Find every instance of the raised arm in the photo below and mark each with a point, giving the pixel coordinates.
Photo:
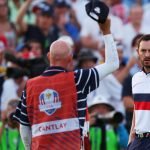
(111, 56)
(21, 25)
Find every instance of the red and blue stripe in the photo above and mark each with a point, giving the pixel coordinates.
(142, 101)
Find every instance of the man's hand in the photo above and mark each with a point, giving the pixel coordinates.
(105, 27)
(131, 137)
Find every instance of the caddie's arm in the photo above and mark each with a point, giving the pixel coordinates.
(26, 136)
(111, 55)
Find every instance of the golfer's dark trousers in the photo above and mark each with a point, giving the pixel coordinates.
(140, 144)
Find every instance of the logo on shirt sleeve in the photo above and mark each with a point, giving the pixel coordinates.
(49, 101)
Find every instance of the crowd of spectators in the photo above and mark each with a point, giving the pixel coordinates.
(28, 27)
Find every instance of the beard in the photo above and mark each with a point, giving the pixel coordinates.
(146, 64)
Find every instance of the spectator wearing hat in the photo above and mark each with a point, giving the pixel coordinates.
(106, 130)
(86, 59)
(45, 29)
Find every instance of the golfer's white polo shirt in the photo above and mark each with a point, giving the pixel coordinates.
(141, 94)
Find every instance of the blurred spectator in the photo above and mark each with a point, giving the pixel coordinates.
(120, 10)
(14, 6)
(134, 27)
(2, 68)
(36, 7)
(86, 59)
(32, 49)
(36, 48)
(130, 3)
(79, 10)
(7, 29)
(23, 51)
(66, 19)
(13, 85)
(3, 41)
(2, 51)
(34, 66)
(106, 130)
(30, 55)
(9, 129)
(127, 86)
(45, 30)
(146, 19)
(61, 7)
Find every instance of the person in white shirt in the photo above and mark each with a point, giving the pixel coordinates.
(140, 130)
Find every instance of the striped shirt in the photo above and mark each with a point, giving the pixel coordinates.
(86, 81)
(141, 95)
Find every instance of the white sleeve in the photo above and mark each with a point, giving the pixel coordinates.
(111, 58)
(26, 135)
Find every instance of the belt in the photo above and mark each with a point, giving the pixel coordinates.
(143, 135)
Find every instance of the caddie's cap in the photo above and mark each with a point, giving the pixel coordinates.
(97, 10)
